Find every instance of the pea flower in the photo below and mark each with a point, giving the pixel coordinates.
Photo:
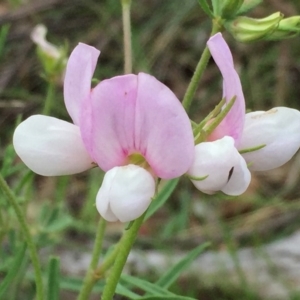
(52, 58)
(266, 140)
(132, 126)
(38, 36)
(278, 129)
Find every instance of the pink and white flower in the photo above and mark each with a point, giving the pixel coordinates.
(122, 120)
(273, 136)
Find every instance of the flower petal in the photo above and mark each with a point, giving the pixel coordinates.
(232, 124)
(239, 179)
(125, 193)
(138, 114)
(278, 129)
(107, 124)
(79, 72)
(51, 147)
(224, 167)
(38, 36)
(163, 132)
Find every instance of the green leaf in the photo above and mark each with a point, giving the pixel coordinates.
(217, 4)
(124, 291)
(174, 272)
(13, 270)
(3, 37)
(206, 8)
(248, 5)
(146, 286)
(74, 284)
(53, 278)
(162, 197)
(175, 297)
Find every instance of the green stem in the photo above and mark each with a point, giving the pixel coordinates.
(126, 4)
(90, 277)
(124, 246)
(191, 90)
(107, 263)
(3, 227)
(49, 99)
(24, 227)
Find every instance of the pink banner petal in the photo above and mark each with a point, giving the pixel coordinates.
(233, 123)
(79, 72)
(138, 114)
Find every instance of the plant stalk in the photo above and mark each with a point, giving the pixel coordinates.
(25, 228)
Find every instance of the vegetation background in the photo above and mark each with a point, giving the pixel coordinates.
(168, 38)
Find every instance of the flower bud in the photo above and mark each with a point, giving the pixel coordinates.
(125, 194)
(230, 8)
(245, 29)
(218, 166)
(278, 129)
(52, 58)
(287, 28)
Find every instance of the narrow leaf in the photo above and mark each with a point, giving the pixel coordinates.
(217, 6)
(175, 297)
(162, 197)
(53, 278)
(146, 286)
(13, 270)
(174, 272)
(206, 8)
(124, 291)
(248, 5)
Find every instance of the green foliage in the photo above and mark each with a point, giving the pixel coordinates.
(172, 274)
(53, 279)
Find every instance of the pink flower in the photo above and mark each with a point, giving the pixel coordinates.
(273, 137)
(125, 120)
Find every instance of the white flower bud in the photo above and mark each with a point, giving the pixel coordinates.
(278, 129)
(38, 36)
(224, 167)
(51, 147)
(125, 193)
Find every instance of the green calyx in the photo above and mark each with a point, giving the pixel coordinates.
(230, 8)
(251, 149)
(138, 159)
(207, 126)
(245, 29)
(197, 178)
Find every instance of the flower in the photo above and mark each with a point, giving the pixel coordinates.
(217, 163)
(38, 36)
(218, 166)
(278, 129)
(131, 126)
(52, 58)
(266, 140)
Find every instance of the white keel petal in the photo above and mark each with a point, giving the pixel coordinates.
(125, 194)
(51, 147)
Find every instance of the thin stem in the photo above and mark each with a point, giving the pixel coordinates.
(3, 227)
(125, 245)
(90, 277)
(126, 4)
(49, 98)
(191, 90)
(24, 227)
